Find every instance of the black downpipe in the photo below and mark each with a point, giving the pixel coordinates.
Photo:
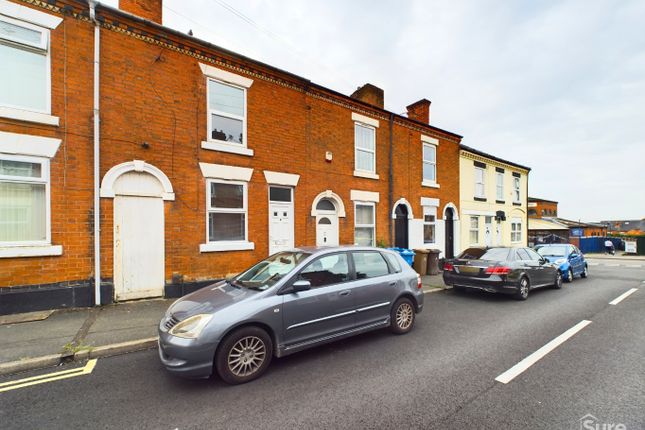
(390, 190)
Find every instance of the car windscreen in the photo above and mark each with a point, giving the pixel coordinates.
(552, 251)
(497, 254)
(269, 271)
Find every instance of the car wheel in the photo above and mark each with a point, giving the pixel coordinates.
(523, 289)
(570, 275)
(558, 280)
(585, 272)
(244, 355)
(402, 316)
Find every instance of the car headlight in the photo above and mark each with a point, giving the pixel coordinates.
(560, 261)
(190, 328)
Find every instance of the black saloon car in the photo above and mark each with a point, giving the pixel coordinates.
(505, 270)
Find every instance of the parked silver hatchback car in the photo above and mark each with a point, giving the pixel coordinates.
(288, 302)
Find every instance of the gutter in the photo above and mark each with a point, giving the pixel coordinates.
(97, 185)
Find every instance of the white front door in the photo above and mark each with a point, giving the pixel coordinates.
(488, 230)
(138, 247)
(281, 235)
(280, 227)
(327, 230)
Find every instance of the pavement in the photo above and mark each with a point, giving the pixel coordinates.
(442, 375)
(41, 339)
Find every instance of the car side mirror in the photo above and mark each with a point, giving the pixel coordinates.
(572, 256)
(300, 285)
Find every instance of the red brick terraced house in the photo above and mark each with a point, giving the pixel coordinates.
(163, 162)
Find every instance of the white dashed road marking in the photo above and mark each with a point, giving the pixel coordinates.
(623, 296)
(529, 361)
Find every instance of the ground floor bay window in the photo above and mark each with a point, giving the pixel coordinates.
(364, 224)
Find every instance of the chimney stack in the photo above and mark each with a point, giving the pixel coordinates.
(146, 9)
(420, 111)
(371, 94)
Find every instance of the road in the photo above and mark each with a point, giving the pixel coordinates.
(441, 375)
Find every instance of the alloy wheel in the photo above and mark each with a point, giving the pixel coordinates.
(570, 275)
(524, 288)
(246, 356)
(404, 316)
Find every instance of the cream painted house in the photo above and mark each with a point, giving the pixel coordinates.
(493, 200)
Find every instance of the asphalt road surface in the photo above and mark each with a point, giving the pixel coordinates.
(441, 375)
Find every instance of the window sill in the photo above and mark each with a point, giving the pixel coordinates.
(367, 175)
(30, 251)
(501, 202)
(227, 147)
(226, 246)
(480, 199)
(517, 204)
(29, 116)
(430, 184)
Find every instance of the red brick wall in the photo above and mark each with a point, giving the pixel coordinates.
(153, 94)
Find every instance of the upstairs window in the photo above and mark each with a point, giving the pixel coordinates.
(429, 163)
(24, 66)
(500, 186)
(516, 189)
(479, 182)
(24, 201)
(226, 113)
(365, 148)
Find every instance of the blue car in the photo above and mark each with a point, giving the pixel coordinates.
(568, 257)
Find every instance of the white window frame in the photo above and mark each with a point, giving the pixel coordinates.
(516, 230)
(499, 177)
(424, 181)
(44, 179)
(517, 184)
(361, 172)
(372, 226)
(211, 112)
(227, 245)
(483, 182)
(430, 210)
(471, 229)
(43, 48)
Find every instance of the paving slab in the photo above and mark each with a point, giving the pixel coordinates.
(126, 322)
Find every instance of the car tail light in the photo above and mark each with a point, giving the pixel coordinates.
(448, 267)
(419, 286)
(498, 270)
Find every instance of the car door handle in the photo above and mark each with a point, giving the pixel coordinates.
(393, 283)
(344, 293)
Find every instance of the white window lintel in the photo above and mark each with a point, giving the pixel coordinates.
(28, 14)
(27, 144)
(223, 75)
(430, 140)
(280, 178)
(364, 196)
(427, 201)
(365, 119)
(230, 173)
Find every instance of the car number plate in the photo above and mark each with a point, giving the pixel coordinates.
(468, 270)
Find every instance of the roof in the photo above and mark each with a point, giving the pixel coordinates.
(625, 225)
(573, 224)
(301, 80)
(537, 199)
(492, 157)
(545, 224)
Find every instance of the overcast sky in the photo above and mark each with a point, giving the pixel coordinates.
(555, 85)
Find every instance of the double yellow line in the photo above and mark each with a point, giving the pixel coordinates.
(49, 377)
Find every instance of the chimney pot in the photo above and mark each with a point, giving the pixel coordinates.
(146, 9)
(371, 94)
(420, 111)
